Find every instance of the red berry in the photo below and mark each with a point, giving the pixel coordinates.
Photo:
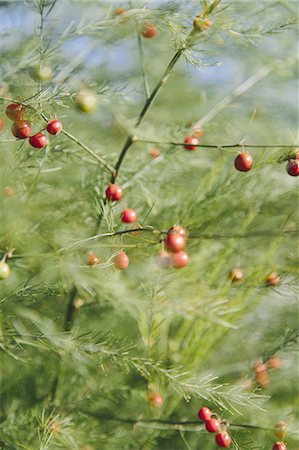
(154, 152)
(223, 439)
(274, 362)
(180, 259)
(92, 259)
(178, 230)
(38, 140)
(190, 143)
(293, 167)
(1, 125)
(204, 413)
(156, 400)
(273, 279)
(212, 425)
(21, 129)
(15, 111)
(121, 261)
(243, 162)
(54, 127)
(149, 30)
(279, 446)
(175, 242)
(129, 215)
(114, 192)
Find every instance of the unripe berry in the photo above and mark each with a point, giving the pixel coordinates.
(273, 279)
(156, 400)
(202, 23)
(21, 129)
(15, 111)
(44, 73)
(9, 191)
(279, 446)
(212, 425)
(149, 30)
(4, 270)
(274, 362)
(54, 127)
(154, 152)
(92, 259)
(204, 413)
(38, 140)
(236, 275)
(293, 167)
(223, 439)
(180, 259)
(87, 101)
(114, 192)
(175, 242)
(121, 261)
(243, 162)
(190, 143)
(128, 215)
(281, 429)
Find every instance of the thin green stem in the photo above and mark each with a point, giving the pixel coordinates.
(216, 146)
(143, 74)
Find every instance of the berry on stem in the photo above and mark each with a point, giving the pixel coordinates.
(223, 439)
(175, 242)
(273, 279)
(121, 261)
(293, 167)
(178, 230)
(43, 73)
(204, 413)
(21, 129)
(190, 142)
(15, 111)
(236, 275)
(54, 126)
(279, 446)
(87, 101)
(156, 400)
(128, 215)
(180, 259)
(212, 425)
(4, 270)
(114, 192)
(202, 23)
(38, 140)
(149, 31)
(243, 162)
(274, 362)
(93, 259)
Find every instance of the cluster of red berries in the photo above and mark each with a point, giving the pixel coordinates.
(174, 255)
(214, 425)
(22, 128)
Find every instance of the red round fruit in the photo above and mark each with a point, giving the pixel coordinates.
(38, 140)
(149, 30)
(180, 259)
(212, 425)
(243, 162)
(178, 230)
(114, 192)
(279, 446)
(128, 215)
(190, 143)
(121, 261)
(54, 127)
(175, 242)
(293, 167)
(156, 400)
(15, 111)
(1, 125)
(223, 439)
(204, 413)
(21, 129)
